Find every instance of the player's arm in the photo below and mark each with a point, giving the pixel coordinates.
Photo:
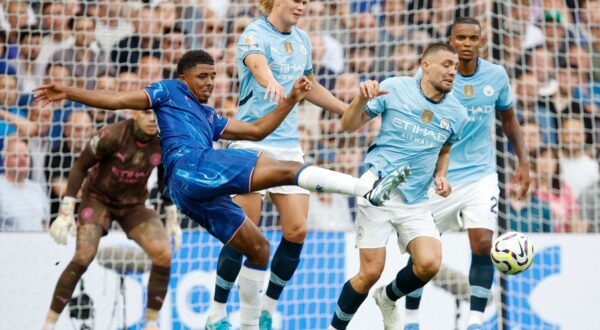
(355, 115)
(259, 66)
(512, 130)
(102, 99)
(442, 187)
(260, 128)
(321, 97)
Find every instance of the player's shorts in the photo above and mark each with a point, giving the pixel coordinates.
(200, 185)
(94, 211)
(374, 225)
(289, 154)
(470, 205)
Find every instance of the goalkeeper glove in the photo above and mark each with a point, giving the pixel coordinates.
(65, 222)
(173, 227)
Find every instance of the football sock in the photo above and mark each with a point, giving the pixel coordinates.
(348, 303)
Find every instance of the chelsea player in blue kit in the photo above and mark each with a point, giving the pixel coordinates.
(483, 88)
(420, 121)
(200, 179)
(271, 54)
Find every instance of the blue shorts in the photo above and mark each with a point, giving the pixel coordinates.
(200, 185)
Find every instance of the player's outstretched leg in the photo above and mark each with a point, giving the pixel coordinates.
(88, 237)
(271, 173)
(152, 237)
(229, 264)
(426, 255)
(481, 274)
(249, 241)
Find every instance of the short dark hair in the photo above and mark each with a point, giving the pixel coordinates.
(78, 17)
(464, 20)
(437, 47)
(30, 31)
(192, 58)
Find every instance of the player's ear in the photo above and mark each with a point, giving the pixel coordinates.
(425, 66)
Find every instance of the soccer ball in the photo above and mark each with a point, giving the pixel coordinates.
(512, 253)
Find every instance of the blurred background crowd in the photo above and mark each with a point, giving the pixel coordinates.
(550, 49)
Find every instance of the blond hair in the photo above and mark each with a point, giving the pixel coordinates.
(266, 6)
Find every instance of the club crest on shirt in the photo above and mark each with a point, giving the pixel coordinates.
(469, 90)
(427, 116)
(249, 41)
(289, 48)
(488, 90)
(444, 123)
(303, 49)
(137, 157)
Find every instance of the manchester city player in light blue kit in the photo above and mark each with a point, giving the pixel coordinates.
(483, 88)
(271, 54)
(200, 179)
(420, 121)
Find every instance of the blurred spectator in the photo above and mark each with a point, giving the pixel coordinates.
(166, 15)
(361, 60)
(85, 60)
(55, 19)
(556, 34)
(590, 16)
(590, 206)
(229, 60)
(530, 214)
(579, 170)
(347, 87)
(78, 130)
(551, 189)
(128, 80)
(127, 52)
(532, 137)
(520, 15)
(23, 203)
(542, 64)
(6, 66)
(17, 15)
(60, 74)
(313, 22)
(324, 75)
(149, 69)
(237, 27)
(512, 52)
(212, 34)
(28, 71)
(528, 107)
(9, 113)
(101, 117)
(173, 46)
(110, 26)
(405, 58)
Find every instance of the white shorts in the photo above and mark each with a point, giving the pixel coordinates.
(470, 205)
(374, 225)
(290, 154)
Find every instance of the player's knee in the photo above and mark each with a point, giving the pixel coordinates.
(296, 233)
(260, 255)
(371, 273)
(482, 245)
(84, 255)
(427, 267)
(162, 256)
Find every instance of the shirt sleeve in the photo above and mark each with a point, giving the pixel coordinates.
(219, 125)
(250, 43)
(377, 105)
(157, 94)
(104, 143)
(308, 69)
(504, 101)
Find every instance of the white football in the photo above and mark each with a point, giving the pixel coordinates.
(512, 253)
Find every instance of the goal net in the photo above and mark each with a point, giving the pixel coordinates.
(550, 50)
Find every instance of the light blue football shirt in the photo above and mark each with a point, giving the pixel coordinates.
(289, 57)
(482, 93)
(413, 131)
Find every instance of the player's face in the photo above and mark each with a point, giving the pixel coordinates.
(290, 10)
(201, 81)
(441, 70)
(466, 39)
(146, 122)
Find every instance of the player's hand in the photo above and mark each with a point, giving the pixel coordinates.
(523, 180)
(370, 89)
(49, 93)
(302, 86)
(173, 227)
(64, 224)
(442, 187)
(275, 92)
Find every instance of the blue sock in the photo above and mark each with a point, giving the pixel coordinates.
(348, 303)
(406, 282)
(481, 276)
(228, 268)
(413, 299)
(284, 264)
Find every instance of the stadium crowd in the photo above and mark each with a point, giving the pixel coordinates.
(550, 49)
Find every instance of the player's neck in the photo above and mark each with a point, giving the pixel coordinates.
(468, 67)
(279, 24)
(431, 92)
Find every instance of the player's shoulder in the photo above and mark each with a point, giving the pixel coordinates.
(486, 67)
(398, 82)
(115, 131)
(256, 27)
(303, 34)
(454, 105)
